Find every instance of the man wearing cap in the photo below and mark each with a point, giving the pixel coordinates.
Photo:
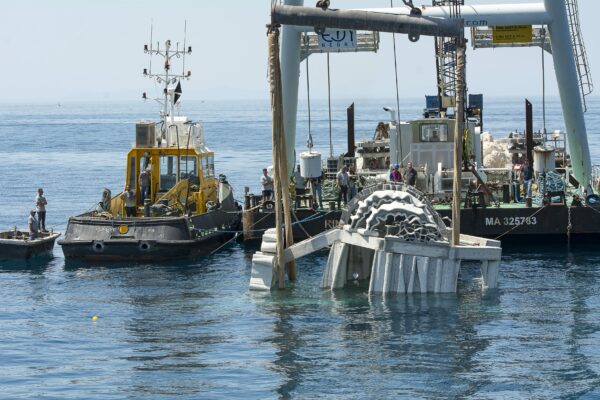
(33, 225)
(395, 175)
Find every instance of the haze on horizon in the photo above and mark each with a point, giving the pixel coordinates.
(67, 50)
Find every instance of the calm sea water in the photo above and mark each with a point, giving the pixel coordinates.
(193, 330)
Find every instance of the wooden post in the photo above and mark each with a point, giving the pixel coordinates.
(275, 85)
(458, 138)
(285, 193)
(280, 172)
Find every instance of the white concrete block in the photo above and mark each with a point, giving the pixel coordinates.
(388, 273)
(340, 271)
(268, 247)
(334, 275)
(263, 272)
(439, 273)
(450, 276)
(410, 265)
(422, 264)
(489, 273)
(377, 272)
(400, 282)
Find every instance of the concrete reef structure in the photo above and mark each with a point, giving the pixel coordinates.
(391, 235)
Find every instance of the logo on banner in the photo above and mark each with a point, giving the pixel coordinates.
(336, 40)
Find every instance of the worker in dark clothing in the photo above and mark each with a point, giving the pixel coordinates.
(527, 176)
(410, 175)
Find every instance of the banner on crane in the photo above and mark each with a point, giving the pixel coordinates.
(512, 34)
(336, 40)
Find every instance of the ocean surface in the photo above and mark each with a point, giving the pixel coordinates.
(192, 330)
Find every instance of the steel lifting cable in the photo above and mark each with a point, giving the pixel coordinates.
(544, 81)
(397, 90)
(225, 244)
(329, 103)
(309, 141)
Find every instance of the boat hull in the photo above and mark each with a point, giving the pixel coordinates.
(147, 239)
(19, 249)
(511, 225)
(142, 250)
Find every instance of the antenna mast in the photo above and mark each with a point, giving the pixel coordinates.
(166, 78)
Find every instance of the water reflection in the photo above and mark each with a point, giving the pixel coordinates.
(582, 276)
(375, 346)
(35, 265)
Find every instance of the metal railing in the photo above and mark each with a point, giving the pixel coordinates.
(583, 69)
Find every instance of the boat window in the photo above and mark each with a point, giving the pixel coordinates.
(168, 172)
(132, 174)
(208, 166)
(188, 168)
(434, 133)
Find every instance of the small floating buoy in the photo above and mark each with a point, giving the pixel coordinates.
(95, 318)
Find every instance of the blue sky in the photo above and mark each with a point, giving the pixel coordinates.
(64, 50)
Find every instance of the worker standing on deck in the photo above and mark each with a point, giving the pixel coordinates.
(395, 175)
(145, 184)
(300, 185)
(410, 175)
(33, 225)
(317, 187)
(527, 175)
(351, 184)
(129, 197)
(299, 181)
(267, 185)
(342, 184)
(40, 205)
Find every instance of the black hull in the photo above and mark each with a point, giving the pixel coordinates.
(143, 250)
(514, 225)
(148, 239)
(25, 250)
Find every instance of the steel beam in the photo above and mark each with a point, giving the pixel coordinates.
(414, 26)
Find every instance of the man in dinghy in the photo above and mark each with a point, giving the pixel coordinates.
(40, 204)
(33, 225)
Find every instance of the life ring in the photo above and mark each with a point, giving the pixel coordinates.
(98, 246)
(211, 205)
(144, 246)
(593, 200)
(372, 164)
(269, 205)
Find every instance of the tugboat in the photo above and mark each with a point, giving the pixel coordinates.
(174, 205)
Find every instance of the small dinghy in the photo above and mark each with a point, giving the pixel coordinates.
(16, 245)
